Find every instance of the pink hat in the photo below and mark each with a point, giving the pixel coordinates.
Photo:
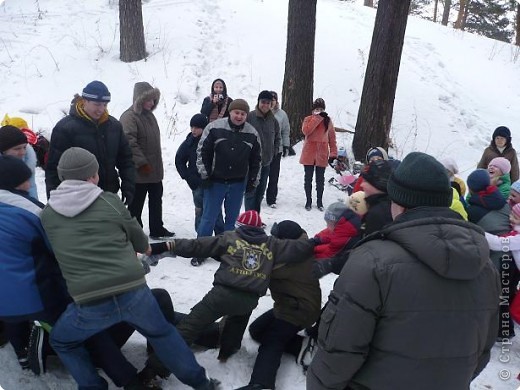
(501, 163)
(516, 210)
(249, 218)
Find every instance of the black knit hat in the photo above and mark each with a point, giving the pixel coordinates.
(265, 95)
(13, 172)
(10, 137)
(377, 173)
(199, 120)
(287, 229)
(420, 180)
(502, 131)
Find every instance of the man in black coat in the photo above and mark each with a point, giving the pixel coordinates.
(89, 126)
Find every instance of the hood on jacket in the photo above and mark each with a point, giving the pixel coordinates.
(252, 234)
(441, 240)
(72, 197)
(223, 83)
(143, 91)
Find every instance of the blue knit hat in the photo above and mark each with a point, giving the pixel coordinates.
(516, 186)
(199, 120)
(478, 180)
(96, 91)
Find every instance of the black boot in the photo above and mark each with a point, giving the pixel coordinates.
(320, 185)
(307, 185)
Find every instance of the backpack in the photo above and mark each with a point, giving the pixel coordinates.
(41, 147)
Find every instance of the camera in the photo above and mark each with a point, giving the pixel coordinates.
(219, 96)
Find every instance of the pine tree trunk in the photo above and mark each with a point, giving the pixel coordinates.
(460, 14)
(369, 3)
(435, 9)
(517, 27)
(131, 28)
(446, 13)
(377, 99)
(298, 79)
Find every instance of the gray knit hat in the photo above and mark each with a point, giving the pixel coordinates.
(335, 211)
(77, 164)
(420, 180)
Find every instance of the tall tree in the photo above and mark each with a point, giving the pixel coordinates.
(298, 79)
(131, 31)
(377, 99)
(446, 12)
(489, 18)
(517, 26)
(462, 14)
(368, 3)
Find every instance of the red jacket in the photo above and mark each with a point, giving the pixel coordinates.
(346, 229)
(320, 142)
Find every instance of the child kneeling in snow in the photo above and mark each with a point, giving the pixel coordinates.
(343, 228)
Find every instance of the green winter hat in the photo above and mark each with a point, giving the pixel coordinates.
(420, 180)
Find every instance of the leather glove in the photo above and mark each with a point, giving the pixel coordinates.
(250, 187)
(285, 151)
(291, 151)
(206, 183)
(331, 160)
(145, 169)
(324, 114)
(320, 268)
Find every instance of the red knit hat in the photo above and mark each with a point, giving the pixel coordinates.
(249, 218)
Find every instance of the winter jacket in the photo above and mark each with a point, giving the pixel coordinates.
(186, 161)
(509, 152)
(247, 256)
(268, 130)
(504, 185)
(143, 134)
(416, 306)
(31, 285)
(320, 141)
(347, 228)
(378, 214)
(296, 293)
(229, 153)
(216, 111)
(285, 127)
(105, 139)
(457, 206)
(482, 202)
(95, 240)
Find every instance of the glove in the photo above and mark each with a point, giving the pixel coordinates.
(331, 160)
(250, 187)
(324, 114)
(206, 183)
(285, 151)
(291, 151)
(315, 241)
(320, 268)
(145, 169)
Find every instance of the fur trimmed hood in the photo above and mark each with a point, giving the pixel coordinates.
(143, 91)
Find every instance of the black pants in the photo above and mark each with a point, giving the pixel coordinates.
(320, 183)
(274, 173)
(275, 336)
(155, 193)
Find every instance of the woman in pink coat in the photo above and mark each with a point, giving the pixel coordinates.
(319, 149)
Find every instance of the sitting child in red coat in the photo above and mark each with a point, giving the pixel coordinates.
(343, 227)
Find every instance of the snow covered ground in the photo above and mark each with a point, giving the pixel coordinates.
(454, 89)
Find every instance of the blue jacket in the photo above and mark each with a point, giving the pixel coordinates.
(31, 284)
(186, 161)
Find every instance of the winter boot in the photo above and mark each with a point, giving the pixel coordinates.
(211, 384)
(197, 261)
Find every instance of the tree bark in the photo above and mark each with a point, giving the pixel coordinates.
(446, 13)
(460, 16)
(435, 10)
(517, 27)
(131, 38)
(298, 79)
(377, 99)
(369, 3)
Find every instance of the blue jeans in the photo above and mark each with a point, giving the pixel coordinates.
(253, 199)
(139, 309)
(229, 193)
(198, 201)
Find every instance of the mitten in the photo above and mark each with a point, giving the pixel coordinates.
(145, 169)
(320, 268)
(291, 151)
(331, 160)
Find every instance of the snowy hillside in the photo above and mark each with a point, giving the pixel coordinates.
(454, 89)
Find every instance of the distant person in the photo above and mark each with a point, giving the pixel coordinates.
(89, 126)
(229, 158)
(95, 240)
(268, 128)
(274, 170)
(501, 146)
(13, 142)
(393, 319)
(186, 163)
(216, 105)
(144, 137)
(373, 154)
(319, 149)
(514, 194)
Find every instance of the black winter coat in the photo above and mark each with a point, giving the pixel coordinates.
(106, 141)
(186, 161)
